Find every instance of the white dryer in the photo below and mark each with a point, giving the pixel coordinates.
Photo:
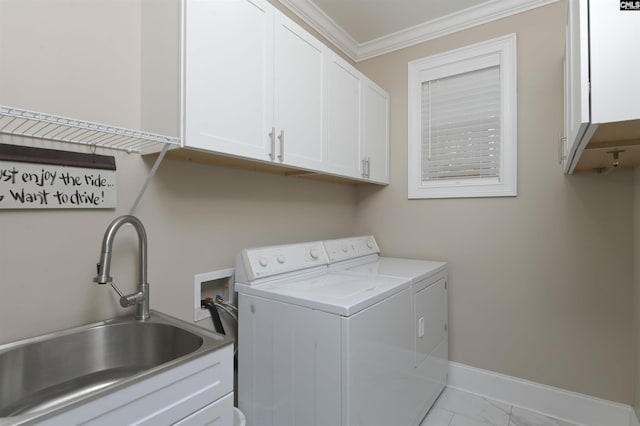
(318, 346)
(360, 255)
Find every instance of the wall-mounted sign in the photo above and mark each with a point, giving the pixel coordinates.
(36, 178)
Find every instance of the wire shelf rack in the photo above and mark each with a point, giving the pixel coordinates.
(39, 125)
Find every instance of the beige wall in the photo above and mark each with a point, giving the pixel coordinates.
(197, 218)
(540, 284)
(72, 58)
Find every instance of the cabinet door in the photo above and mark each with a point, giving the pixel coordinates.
(343, 118)
(614, 62)
(218, 413)
(299, 98)
(375, 132)
(228, 76)
(577, 116)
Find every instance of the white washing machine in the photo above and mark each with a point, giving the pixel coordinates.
(360, 255)
(317, 346)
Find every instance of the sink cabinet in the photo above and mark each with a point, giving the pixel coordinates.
(219, 412)
(160, 371)
(602, 101)
(164, 399)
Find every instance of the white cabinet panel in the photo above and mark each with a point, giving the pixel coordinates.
(228, 76)
(299, 72)
(344, 99)
(577, 116)
(357, 124)
(600, 73)
(375, 132)
(153, 401)
(615, 62)
(219, 413)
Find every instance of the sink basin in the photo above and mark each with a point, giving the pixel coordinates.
(46, 373)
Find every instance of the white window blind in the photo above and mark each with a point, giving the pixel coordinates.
(461, 126)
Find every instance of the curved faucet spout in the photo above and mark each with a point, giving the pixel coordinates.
(141, 298)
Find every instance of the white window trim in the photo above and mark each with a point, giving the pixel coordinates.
(451, 63)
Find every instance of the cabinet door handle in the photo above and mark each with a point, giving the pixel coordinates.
(364, 167)
(561, 144)
(272, 135)
(368, 167)
(281, 137)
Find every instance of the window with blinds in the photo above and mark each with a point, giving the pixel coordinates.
(461, 126)
(462, 134)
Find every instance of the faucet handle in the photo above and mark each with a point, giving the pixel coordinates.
(130, 300)
(115, 287)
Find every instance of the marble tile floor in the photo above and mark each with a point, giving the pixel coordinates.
(457, 408)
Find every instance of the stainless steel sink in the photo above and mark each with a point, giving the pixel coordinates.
(49, 372)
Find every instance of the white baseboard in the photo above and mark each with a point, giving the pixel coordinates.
(559, 403)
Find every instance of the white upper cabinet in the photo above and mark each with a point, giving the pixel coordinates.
(228, 75)
(576, 77)
(299, 98)
(256, 85)
(344, 102)
(614, 62)
(253, 83)
(600, 73)
(375, 133)
(357, 125)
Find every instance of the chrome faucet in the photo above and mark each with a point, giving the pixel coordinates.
(141, 297)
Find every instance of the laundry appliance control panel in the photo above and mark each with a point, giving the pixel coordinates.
(266, 262)
(350, 248)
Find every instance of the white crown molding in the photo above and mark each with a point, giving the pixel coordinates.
(321, 22)
(478, 15)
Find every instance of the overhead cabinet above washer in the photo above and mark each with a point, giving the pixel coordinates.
(256, 86)
(602, 99)
(357, 143)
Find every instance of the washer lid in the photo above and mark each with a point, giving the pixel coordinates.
(413, 269)
(337, 293)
